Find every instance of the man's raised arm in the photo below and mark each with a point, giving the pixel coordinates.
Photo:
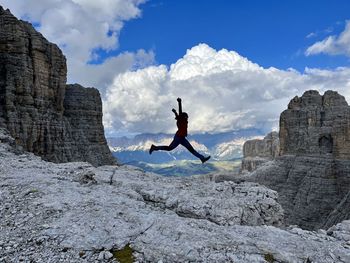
(176, 115)
(180, 106)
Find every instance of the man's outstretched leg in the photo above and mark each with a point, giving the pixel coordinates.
(189, 147)
(171, 146)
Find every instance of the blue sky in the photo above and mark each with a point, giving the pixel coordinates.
(236, 64)
(270, 33)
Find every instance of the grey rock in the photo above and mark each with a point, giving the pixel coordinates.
(257, 152)
(341, 231)
(309, 188)
(105, 255)
(316, 125)
(108, 255)
(267, 147)
(57, 122)
(160, 218)
(83, 121)
(341, 212)
(312, 174)
(85, 177)
(101, 256)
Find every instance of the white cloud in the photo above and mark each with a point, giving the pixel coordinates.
(311, 35)
(332, 45)
(102, 75)
(80, 27)
(221, 91)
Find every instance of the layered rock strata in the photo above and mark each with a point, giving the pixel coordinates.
(312, 174)
(37, 107)
(83, 121)
(257, 152)
(316, 125)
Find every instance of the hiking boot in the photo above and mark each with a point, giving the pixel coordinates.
(153, 148)
(205, 159)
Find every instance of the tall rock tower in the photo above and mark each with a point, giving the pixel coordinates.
(312, 173)
(58, 122)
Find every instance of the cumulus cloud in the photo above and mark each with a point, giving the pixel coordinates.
(102, 75)
(221, 91)
(80, 28)
(332, 45)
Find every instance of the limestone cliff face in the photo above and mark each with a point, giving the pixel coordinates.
(312, 174)
(33, 98)
(265, 148)
(312, 190)
(316, 125)
(257, 152)
(83, 119)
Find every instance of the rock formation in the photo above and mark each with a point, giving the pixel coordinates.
(58, 122)
(312, 174)
(74, 212)
(316, 125)
(257, 152)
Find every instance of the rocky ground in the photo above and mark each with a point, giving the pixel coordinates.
(74, 212)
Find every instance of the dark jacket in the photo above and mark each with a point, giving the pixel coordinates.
(182, 125)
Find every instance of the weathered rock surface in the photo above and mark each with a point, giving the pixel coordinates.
(83, 122)
(312, 176)
(257, 152)
(35, 105)
(266, 148)
(316, 125)
(310, 188)
(70, 212)
(341, 212)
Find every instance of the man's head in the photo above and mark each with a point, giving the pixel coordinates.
(183, 115)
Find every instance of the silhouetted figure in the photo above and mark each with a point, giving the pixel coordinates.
(180, 135)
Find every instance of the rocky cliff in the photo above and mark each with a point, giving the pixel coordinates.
(312, 173)
(257, 152)
(316, 125)
(58, 122)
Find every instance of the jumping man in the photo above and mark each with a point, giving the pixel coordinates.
(180, 135)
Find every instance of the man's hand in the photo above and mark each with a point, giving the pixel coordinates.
(178, 99)
(176, 115)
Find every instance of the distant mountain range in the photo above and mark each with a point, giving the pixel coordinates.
(189, 167)
(221, 146)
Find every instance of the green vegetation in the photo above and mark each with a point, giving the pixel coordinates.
(124, 255)
(269, 258)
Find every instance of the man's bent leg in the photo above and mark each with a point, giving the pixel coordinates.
(189, 147)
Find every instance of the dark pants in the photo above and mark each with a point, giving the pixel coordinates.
(179, 140)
